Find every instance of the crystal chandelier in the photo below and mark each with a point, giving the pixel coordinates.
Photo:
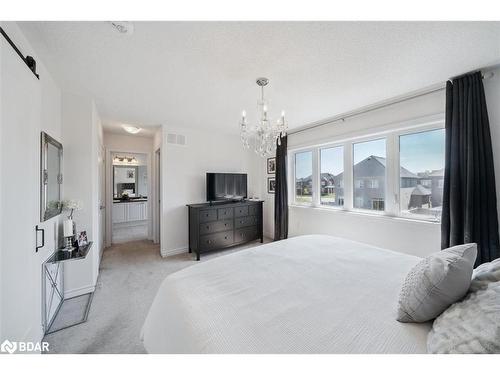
(264, 137)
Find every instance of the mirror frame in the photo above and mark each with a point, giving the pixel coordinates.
(45, 140)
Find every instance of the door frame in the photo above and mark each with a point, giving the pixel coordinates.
(109, 191)
(157, 188)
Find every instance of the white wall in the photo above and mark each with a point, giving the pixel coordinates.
(82, 135)
(408, 236)
(492, 93)
(183, 178)
(37, 108)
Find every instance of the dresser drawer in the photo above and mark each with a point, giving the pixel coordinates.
(246, 234)
(208, 215)
(225, 213)
(254, 209)
(246, 221)
(212, 241)
(216, 226)
(241, 211)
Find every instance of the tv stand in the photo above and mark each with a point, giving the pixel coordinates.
(222, 225)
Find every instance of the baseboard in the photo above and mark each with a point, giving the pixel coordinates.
(168, 253)
(79, 291)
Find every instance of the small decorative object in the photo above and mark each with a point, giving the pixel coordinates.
(271, 165)
(69, 226)
(71, 205)
(68, 232)
(271, 185)
(82, 238)
(125, 196)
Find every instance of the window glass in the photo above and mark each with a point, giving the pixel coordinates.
(303, 177)
(421, 174)
(369, 175)
(332, 176)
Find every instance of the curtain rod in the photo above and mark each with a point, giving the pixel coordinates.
(377, 105)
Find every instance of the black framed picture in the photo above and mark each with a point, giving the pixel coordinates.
(271, 185)
(271, 165)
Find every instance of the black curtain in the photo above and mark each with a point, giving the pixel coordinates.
(281, 194)
(469, 195)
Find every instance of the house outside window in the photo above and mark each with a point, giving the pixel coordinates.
(369, 163)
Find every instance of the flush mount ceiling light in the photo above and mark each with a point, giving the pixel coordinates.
(123, 27)
(131, 129)
(265, 135)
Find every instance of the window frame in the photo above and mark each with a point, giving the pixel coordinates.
(391, 133)
(336, 207)
(314, 183)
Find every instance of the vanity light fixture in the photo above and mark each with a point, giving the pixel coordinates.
(131, 129)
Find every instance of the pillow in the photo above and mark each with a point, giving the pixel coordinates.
(435, 283)
(473, 324)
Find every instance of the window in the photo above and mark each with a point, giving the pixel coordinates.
(332, 174)
(303, 177)
(398, 172)
(421, 173)
(378, 204)
(426, 183)
(369, 163)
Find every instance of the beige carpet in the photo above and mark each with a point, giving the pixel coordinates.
(130, 274)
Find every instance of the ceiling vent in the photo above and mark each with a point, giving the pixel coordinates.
(176, 139)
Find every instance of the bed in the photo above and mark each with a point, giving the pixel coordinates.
(307, 294)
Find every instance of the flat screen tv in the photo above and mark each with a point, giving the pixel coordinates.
(226, 186)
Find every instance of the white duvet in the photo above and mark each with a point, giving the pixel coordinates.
(308, 294)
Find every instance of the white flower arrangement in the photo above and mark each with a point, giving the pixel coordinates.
(71, 205)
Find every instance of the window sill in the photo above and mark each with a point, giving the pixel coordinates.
(379, 215)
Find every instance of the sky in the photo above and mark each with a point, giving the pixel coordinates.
(418, 152)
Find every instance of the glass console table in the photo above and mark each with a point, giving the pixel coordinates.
(53, 301)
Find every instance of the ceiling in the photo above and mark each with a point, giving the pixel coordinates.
(202, 74)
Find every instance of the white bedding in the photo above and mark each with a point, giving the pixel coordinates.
(308, 294)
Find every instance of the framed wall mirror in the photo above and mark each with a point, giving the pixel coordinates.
(50, 177)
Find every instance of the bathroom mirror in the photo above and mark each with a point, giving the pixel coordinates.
(129, 181)
(50, 177)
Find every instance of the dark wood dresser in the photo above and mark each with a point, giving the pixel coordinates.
(221, 225)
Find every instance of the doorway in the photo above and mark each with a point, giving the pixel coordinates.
(130, 197)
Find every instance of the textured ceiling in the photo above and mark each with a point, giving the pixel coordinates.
(202, 74)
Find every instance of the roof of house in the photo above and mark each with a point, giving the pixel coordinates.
(405, 173)
(420, 190)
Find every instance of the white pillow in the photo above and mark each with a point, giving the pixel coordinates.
(473, 324)
(436, 282)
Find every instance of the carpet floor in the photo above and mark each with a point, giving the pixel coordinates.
(130, 275)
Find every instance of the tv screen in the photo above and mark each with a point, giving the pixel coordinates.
(226, 186)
